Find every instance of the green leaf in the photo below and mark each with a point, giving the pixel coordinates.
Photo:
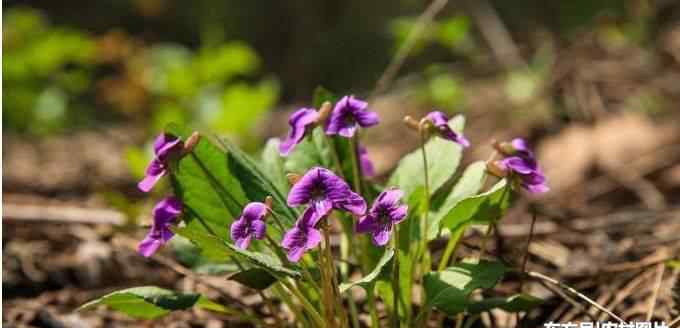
(368, 280)
(514, 303)
(322, 95)
(256, 184)
(205, 185)
(449, 290)
(468, 184)
(214, 248)
(443, 157)
(484, 208)
(311, 152)
(256, 278)
(211, 247)
(273, 164)
(151, 302)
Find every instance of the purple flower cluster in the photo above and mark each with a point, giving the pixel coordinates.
(348, 114)
(164, 215)
(520, 162)
(163, 146)
(322, 191)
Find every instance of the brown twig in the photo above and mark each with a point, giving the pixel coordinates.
(494, 31)
(67, 214)
(568, 288)
(655, 291)
(423, 21)
(526, 250)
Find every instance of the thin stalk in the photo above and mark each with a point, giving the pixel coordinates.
(485, 240)
(375, 321)
(526, 250)
(345, 247)
(267, 301)
(395, 280)
(459, 320)
(422, 249)
(356, 173)
(334, 153)
(305, 269)
(426, 212)
(285, 297)
(313, 313)
(336, 298)
(471, 320)
(326, 290)
(451, 246)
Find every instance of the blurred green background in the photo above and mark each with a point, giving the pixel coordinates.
(223, 64)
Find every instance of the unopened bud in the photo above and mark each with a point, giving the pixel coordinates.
(411, 123)
(425, 126)
(504, 148)
(191, 142)
(268, 201)
(324, 112)
(293, 178)
(494, 168)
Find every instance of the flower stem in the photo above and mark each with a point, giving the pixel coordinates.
(318, 321)
(265, 299)
(334, 154)
(375, 321)
(426, 211)
(335, 297)
(395, 280)
(356, 174)
(451, 247)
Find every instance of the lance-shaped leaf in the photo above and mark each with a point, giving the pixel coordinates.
(203, 182)
(468, 185)
(484, 208)
(151, 302)
(514, 303)
(256, 278)
(450, 289)
(273, 165)
(368, 280)
(443, 157)
(215, 248)
(255, 183)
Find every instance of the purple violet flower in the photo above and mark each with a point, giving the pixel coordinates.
(250, 224)
(365, 163)
(441, 124)
(162, 146)
(529, 175)
(347, 114)
(323, 191)
(520, 162)
(164, 214)
(383, 215)
(303, 236)
(300, 122)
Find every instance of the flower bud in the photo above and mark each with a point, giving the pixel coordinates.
(411, 123)
(324, 112)
(269, 201)
(504, 148)
(191, 142)
(495, 168)
(293, 178)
